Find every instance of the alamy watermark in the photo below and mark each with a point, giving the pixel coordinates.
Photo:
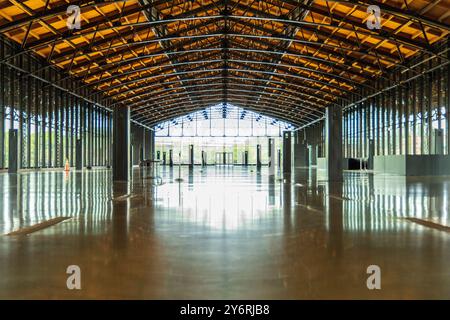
(374, 280)
(374, 19)
(74, 280)
(74, 17)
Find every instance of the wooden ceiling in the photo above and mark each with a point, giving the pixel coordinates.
(288, 59)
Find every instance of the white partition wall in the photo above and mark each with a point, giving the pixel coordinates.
(271, 157)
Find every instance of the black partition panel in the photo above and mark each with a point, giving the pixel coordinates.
(79, 154)
(287, 152)
(13, 150)
(191, 155)
(258, 155)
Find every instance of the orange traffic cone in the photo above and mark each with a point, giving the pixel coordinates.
(67, 166)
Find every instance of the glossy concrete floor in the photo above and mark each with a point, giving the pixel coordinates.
(224, 233)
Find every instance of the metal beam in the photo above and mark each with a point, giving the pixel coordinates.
(204, 60)
(255, 108)
(215, 99)
(257, 71)
(143, 103)
(162, 84)
(291, 106)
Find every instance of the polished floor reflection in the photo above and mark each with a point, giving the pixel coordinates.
(224, 232)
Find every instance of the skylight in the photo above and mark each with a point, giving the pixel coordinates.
(223, 120)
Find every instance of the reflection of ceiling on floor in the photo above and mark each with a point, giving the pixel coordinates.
(285, 58)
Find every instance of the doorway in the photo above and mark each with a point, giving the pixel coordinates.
(224, 158)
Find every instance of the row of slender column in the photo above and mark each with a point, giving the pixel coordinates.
(122, 151)
(333, 146)
(271, 155)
